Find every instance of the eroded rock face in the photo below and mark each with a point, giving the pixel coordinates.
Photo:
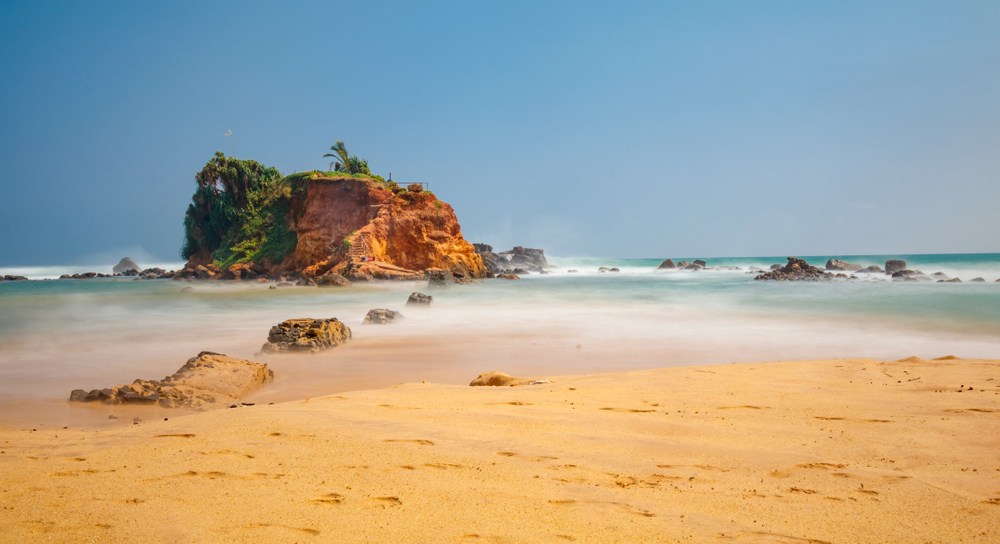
(894, 265)
(419, 299)
(210, 380)
(439, 277)
(526, 258)
(667, 265)
(306, 336)
(125, 264)
(797, 270)
(837, 264)
(382, 317)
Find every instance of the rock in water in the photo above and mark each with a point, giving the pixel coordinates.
(332, 279)
(210, 380)
(667, 265)
(873, 269)
(125, 264)
(837, 264)
(977, 280)
(439, 277)
(306, 335)
(382, 317)
(419, 299)
(893, 265)
(700, 263)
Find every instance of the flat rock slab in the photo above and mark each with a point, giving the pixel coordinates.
(306, 336)
(210, 380)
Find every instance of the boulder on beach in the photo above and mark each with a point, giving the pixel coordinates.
(125, 264)
(667, 265)
(210, 380)
(894, 265)
(419, 299)
(381, 316)
(306, 336)
(837, 264)
(499, 379)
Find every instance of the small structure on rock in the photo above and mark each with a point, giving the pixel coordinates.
(306, 336)
(210, 380)
(419, 299)
(382, 316)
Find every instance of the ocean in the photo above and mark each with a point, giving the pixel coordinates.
(60, 335)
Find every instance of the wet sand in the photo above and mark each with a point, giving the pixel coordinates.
(823, 451)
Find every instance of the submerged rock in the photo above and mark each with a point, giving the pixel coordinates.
(796, 270)
(306, 335)
(210, 380)
(419, 299)
(837, 264)
(382, 317)
(667, 265)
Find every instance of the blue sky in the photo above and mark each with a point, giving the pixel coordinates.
(616, 129)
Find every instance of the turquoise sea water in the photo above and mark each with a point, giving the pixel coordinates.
(64, 334)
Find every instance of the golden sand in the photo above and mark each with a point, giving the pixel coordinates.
(821, 451)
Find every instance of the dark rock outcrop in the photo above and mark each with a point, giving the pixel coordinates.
(796, 270)
(210, 380)
(381, 316)
(873, 269)
(700, 263)
(776, 266)
(667, 265)
(837, 264)
(9, 277)
(439, 277)
(306, 335)
(894, 265)
(682, 264)
(124, 265)
(419, 299)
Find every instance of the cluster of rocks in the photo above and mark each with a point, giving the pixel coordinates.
(306, 335)
(84, 276)
(209, 380)
(604, 269)
(797, 270)
(698, 264)
(9, 277)
(519, 260)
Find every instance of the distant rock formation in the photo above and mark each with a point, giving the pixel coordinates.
(210, 380)
(125, 264)
(667, 265)
(873, 269)
(796, 270)
(837, 264)
(526, 258)
(306, 336)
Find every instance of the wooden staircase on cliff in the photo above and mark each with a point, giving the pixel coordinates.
(359, 249)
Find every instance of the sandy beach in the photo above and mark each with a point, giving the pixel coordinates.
(818, 451)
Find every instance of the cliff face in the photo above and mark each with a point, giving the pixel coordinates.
(338, 221)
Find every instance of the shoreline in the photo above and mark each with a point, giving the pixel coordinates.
(826, 451)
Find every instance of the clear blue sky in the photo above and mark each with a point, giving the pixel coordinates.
(617, 129)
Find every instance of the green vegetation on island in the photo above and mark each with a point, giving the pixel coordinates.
(240, 211)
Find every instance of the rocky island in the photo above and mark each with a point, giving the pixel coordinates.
(247, 220)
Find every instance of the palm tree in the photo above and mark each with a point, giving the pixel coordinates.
(340, 152)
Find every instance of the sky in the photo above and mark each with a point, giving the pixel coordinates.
(611, 129)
